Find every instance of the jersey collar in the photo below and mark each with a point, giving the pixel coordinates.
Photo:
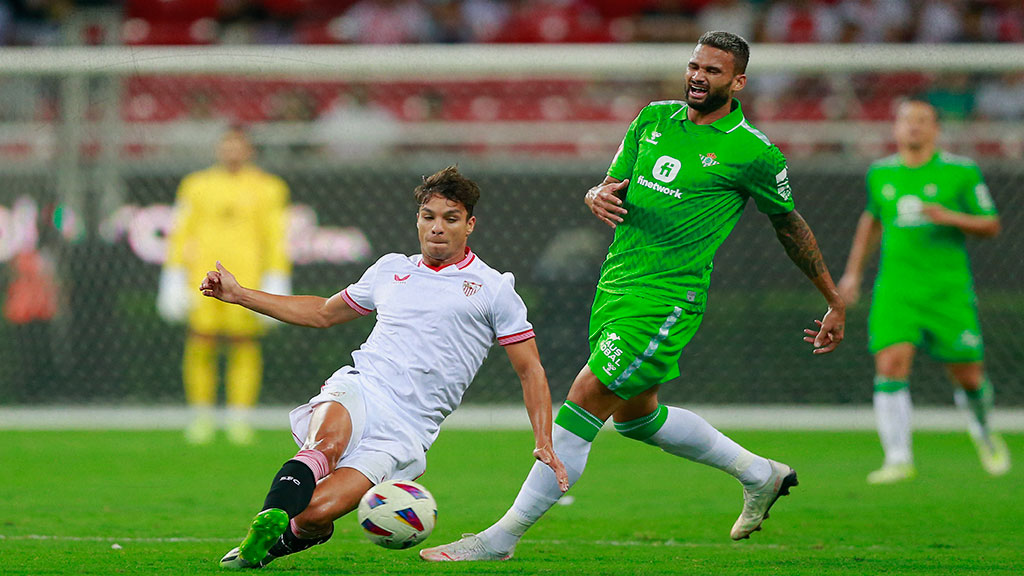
(932, 160)
(467, 259)
(726, 124)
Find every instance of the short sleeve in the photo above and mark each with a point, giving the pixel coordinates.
(622, 165)
(767, 181)
(509, 314)
(976, 198)
(872, 203)
(360, 294)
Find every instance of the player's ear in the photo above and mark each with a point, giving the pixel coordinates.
(470, 224)
(738, 82)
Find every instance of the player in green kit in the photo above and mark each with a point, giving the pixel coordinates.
(673, 193)
(922, 202)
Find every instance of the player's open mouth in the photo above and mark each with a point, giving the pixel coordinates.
(698, 91)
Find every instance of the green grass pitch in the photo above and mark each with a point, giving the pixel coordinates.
(134, 503)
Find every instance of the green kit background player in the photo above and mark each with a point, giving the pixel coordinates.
(922, 202)
(673, 193)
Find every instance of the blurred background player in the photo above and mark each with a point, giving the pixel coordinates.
(437, 315)
(234, 212)
(673, 193)
(922, 203)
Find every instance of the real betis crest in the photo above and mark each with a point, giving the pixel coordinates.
(470, 288)
(709, 159)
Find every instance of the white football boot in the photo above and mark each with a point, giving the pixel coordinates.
(469, 549)
(892, 474)
(758, 501)
(993, 453)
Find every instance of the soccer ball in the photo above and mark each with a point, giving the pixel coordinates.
(397, 514)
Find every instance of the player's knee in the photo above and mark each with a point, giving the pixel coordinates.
(970, 381)
(894, 362)
(332, 450)
(892, 368)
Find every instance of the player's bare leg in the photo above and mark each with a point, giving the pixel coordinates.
(893, 413)
(294, 485)
(974, 396)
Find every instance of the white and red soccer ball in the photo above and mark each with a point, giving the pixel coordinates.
(397, 514)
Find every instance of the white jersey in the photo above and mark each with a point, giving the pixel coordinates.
(434, 329)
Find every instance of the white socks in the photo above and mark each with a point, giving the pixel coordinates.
(976, 404)
(539, 493)
(688, 435)
(682, 433)
(892, 416)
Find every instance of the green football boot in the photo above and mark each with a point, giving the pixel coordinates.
(264, 532)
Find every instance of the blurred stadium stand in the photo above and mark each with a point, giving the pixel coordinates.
(92, 149)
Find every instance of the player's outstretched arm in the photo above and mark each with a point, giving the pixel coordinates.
(605, 200)
(865, 243)
(975, 225)
(802, 248)
(537, 396)
(312, 311)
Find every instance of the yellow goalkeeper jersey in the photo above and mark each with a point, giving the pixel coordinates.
(237, 218)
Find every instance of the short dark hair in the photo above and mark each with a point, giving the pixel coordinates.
(923, 100)
(450, 184)
(731, 43)
(237, 131)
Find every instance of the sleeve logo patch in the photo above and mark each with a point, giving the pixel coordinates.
(981, 193)
(782, 184)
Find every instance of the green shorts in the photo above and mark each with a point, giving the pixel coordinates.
(948, 329)
(635, 343)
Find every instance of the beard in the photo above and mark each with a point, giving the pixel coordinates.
(715, 99)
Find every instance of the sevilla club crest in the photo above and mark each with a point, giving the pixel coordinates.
(470, 288)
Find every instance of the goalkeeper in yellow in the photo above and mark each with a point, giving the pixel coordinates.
(233, 212)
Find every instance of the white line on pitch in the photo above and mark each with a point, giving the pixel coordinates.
(556, 542)
(113, 539)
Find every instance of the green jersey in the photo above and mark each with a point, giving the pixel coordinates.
(688, 184)
(918, 258)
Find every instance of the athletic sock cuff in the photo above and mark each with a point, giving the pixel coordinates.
(888, 385)
(578, 421)
(985, 388)
(316, 460)
(290, 542)
(644, 427)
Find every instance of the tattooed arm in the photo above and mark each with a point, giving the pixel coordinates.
(801, 247)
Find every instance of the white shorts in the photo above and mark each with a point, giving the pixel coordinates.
(382, 447)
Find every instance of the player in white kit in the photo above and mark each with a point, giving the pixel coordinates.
(438, 313)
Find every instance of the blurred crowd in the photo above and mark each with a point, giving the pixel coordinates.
(368, 119)
(164, 22)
